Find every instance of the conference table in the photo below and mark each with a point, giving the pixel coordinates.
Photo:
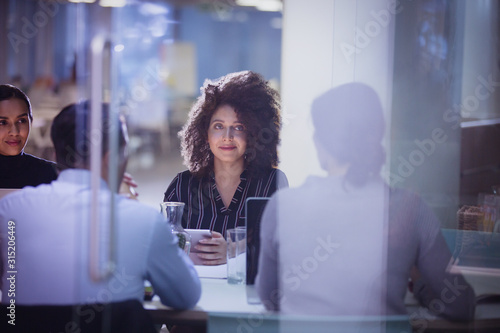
(220, 299)
(217, 296)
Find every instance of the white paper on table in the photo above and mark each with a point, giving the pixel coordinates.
(215, 272)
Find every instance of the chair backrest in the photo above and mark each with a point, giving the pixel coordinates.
(127, 316)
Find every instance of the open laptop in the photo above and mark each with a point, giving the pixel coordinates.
(254, 209)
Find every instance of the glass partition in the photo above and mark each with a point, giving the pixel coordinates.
(437, 101)
(428, 71)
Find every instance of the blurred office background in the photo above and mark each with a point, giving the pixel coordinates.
(163, 52)
(434, 64)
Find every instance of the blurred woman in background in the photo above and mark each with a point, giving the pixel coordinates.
(18, 169)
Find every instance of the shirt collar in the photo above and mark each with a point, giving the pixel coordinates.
(243, 175)
(79, 176)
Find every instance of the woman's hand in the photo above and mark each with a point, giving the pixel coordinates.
(128, 186)
(214, 250)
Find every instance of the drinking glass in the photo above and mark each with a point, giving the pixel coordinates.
(236, 256)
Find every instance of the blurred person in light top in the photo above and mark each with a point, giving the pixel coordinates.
(52, 224)
(347, 244)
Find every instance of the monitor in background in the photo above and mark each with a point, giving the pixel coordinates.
(479, 159)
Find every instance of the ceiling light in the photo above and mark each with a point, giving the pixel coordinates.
(79, 1)
(112, 3)
(270, 6)
(263, 5)
(251, 3)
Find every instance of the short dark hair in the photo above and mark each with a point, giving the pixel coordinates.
(257, 106)
(72, 136)
(8, 91)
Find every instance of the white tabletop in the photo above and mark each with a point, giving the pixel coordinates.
(215, 272)
(219, 296)
(216, 294)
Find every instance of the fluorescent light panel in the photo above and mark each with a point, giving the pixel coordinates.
(263, 5)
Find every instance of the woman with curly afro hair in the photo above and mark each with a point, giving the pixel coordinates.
(229, 145)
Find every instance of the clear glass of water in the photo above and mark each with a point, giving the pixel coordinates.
(236, 256)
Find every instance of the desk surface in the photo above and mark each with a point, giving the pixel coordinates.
(216, 296)
(220, 297)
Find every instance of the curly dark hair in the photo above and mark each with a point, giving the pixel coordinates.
(257, 106)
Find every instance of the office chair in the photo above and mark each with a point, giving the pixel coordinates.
(122, 317)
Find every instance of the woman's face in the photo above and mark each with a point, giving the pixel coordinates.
(14, 126)
(227, 136)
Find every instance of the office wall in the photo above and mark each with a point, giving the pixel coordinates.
(480, 107)
(41, 39)
(446, 74)
(419, 58)
(481, 60)
(428, 69)
(231, 39)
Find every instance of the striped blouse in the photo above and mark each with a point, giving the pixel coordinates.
(204, 208)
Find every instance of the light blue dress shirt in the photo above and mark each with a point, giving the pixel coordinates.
(52, 247)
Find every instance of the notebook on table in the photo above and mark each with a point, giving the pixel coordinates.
(254, 209)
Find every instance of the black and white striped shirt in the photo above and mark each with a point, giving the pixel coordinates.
(204, 208)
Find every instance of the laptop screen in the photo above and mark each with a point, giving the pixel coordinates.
(253, 212)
